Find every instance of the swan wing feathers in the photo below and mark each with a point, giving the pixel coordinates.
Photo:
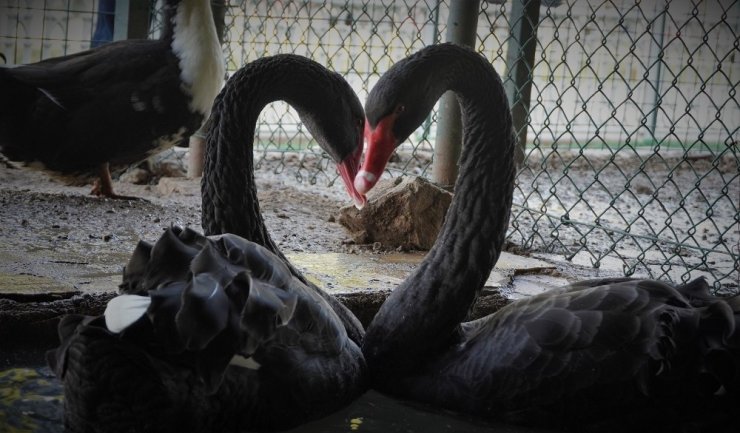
(266, 310)
(170, 258)
(135, 270)
(631, 335)
(110, 385)
(209, 299)
(117, 68)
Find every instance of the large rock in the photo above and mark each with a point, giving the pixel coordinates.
(406, 212)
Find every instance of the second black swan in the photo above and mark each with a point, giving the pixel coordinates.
(602, 355)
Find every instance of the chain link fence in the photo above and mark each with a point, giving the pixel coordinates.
(631, 158)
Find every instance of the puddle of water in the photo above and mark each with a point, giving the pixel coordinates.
(339, 272)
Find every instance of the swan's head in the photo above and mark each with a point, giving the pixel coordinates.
(336, 120)
(395, 107)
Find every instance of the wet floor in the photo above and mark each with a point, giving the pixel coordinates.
(31, 402)
(335, 272)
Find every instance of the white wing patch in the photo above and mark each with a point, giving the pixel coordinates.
(244, 362)
(124, 310)
(196, 44)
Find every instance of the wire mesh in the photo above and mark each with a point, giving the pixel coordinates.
(631, 156)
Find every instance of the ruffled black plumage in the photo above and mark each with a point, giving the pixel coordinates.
(236, 344)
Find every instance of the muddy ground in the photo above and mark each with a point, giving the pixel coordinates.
(48, 226)
(58, 238)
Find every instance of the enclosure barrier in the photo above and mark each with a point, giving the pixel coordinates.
(628, 110)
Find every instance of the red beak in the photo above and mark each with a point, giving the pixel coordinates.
(348, 170)
(380, 145)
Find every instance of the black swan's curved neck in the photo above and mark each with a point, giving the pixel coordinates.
(230, 203)
(423, 314)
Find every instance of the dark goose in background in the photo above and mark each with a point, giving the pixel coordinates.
(116, 104)
(600, 355)
(221, 334)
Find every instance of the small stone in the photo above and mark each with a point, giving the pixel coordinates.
(169, 169)
(136, 176)
(107, 238)
(406, 211)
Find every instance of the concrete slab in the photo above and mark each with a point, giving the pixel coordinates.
(52, 271)
(608, 264)
(30, 285)
(529, 285)
(521, 264)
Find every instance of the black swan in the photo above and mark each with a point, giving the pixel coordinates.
(596, 355)
(219, 333)
(333, 115)
(114, 105)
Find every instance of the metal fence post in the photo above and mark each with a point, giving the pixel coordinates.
(461, 29)
(525, 15)
(132, 20)
(656, 81)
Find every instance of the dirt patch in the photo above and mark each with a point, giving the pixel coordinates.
(48, 227)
